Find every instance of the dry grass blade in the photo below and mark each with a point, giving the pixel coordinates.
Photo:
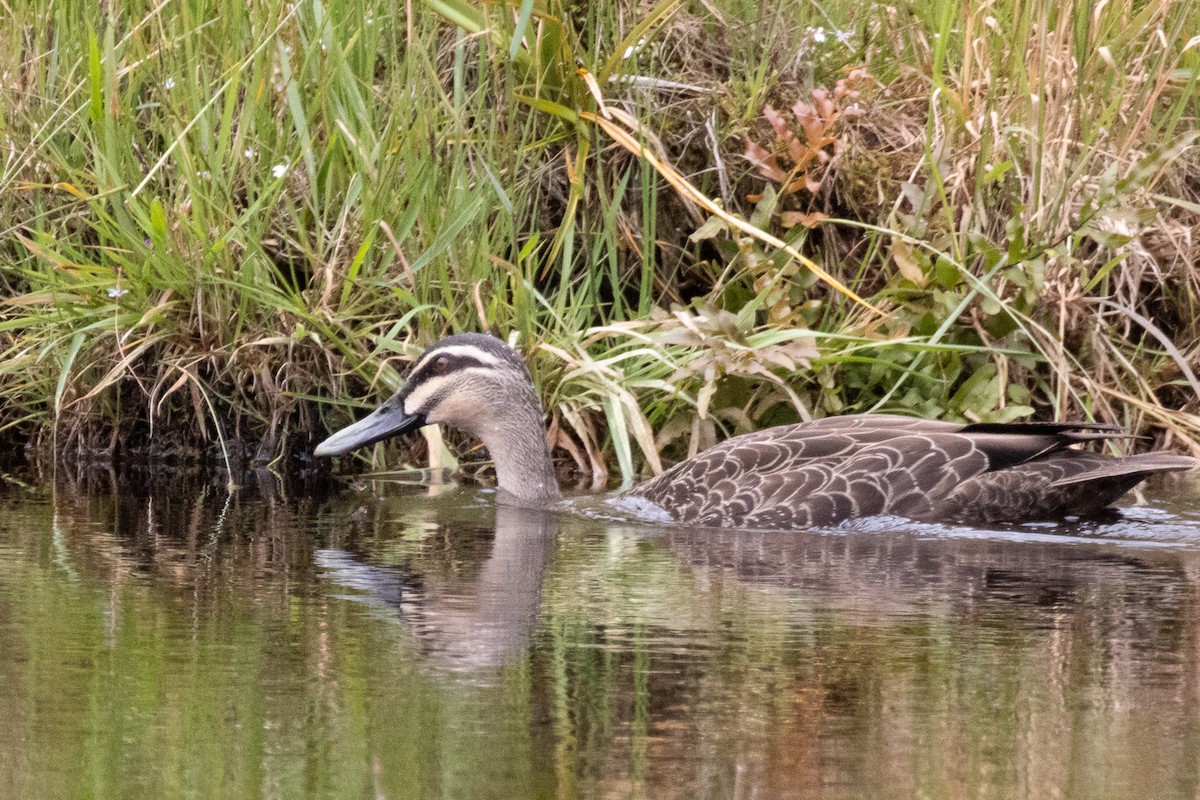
(630, 141)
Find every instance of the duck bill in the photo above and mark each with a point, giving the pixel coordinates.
(385, 422)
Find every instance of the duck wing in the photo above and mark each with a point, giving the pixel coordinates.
(822, 472)
(1064, 483)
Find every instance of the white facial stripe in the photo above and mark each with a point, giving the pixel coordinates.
(420, 395)
(460, 350)
(430, 387)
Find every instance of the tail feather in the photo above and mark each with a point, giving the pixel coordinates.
(1042, 428)
(1142, 465)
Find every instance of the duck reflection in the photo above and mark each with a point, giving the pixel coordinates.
(469, 610)
(907, 571)
(471, 596)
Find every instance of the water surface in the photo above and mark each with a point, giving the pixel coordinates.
(395, 641)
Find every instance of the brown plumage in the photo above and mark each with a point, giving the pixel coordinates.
(789, 477)
(823, 472)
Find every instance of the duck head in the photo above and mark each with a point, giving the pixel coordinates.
(475, 383)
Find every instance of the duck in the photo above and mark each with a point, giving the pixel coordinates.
(790, 477)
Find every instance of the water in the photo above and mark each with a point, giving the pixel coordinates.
(397, 641)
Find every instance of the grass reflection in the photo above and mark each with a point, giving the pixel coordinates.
(167, 641)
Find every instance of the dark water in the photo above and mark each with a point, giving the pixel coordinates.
(386, 643)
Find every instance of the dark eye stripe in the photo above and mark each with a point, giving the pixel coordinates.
(428, 369)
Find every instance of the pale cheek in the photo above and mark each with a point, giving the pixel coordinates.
(457, 413)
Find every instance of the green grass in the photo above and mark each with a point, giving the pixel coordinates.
(230, 225)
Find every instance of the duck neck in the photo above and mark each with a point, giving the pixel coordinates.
(517, 443)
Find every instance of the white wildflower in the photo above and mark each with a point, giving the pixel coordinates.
(279, 170)
(116, 292)
(249, 152)
(818, 35)
(844, 37)
(169, 84)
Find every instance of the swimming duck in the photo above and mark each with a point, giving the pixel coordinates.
(809, 474)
